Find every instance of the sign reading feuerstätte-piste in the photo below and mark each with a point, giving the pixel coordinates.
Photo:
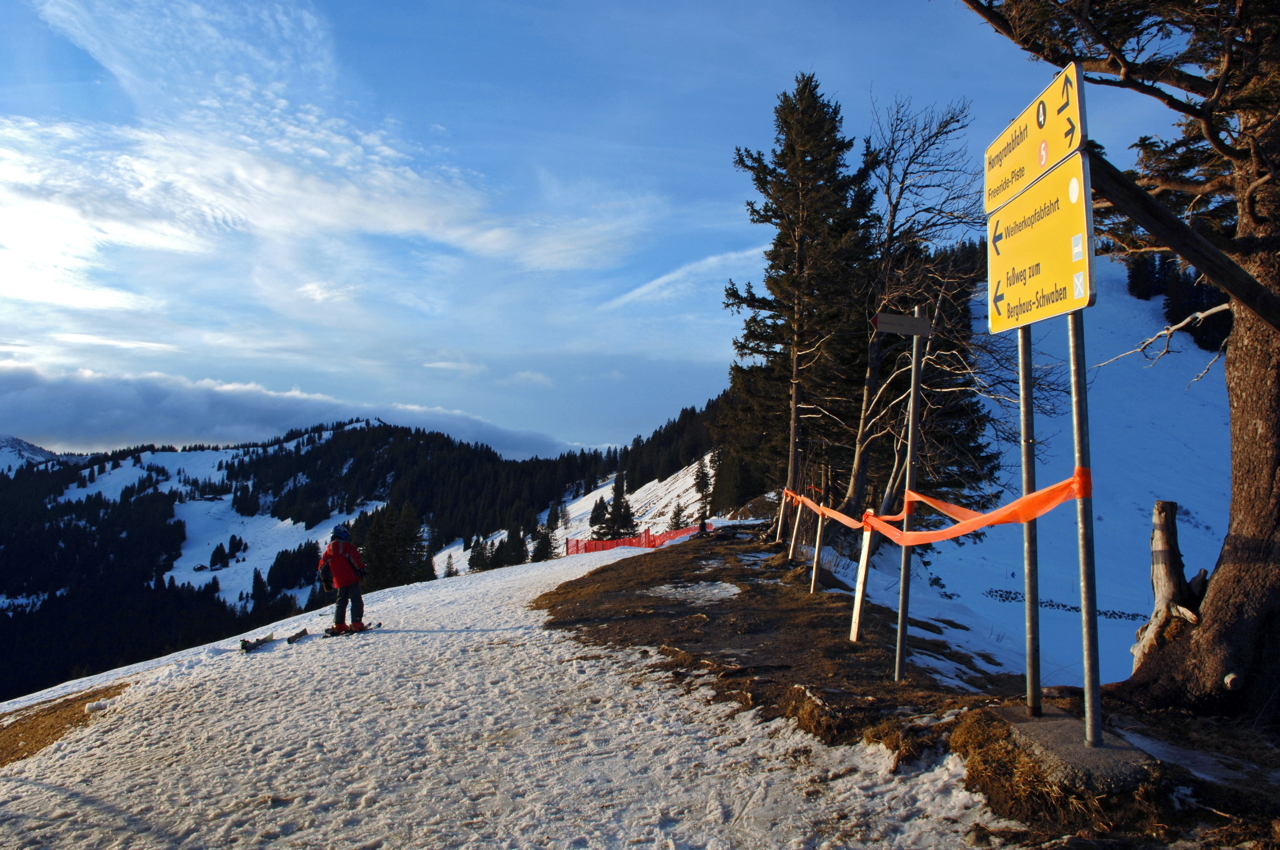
(1047, 132)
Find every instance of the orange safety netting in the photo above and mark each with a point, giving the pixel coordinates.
(645, 540)
(1039, 503)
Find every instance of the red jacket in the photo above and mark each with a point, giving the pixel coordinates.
(343, 560)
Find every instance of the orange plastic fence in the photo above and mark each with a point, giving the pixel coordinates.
(645, 540)
(1030, 506)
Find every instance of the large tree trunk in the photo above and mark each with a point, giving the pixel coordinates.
(1231, 660)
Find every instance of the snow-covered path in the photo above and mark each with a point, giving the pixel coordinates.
(461, 724)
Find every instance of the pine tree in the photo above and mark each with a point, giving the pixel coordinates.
(478, 560)
(1142, 282)
(620, 522)
(542, 548)
(677, 517)
(599, 515)
(702, 484)
(450, 571)
(822, 214)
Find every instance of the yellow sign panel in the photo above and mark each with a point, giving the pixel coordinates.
(1047, 132)
(1040, 250)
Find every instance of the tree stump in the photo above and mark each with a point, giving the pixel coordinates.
(1175, 597)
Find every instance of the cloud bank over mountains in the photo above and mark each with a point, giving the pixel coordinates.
(84, 411)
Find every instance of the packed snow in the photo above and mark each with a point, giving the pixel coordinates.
(461, 722)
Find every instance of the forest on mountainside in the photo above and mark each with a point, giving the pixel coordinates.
(87, 578)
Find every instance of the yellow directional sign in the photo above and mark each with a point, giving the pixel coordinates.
(1047, 132)
(1040, 250)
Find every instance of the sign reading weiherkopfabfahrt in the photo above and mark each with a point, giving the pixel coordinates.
(1040, 250)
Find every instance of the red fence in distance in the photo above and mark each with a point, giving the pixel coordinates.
(645, 540)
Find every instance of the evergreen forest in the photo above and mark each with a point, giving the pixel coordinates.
(87, 582)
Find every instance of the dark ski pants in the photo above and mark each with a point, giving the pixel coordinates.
(349, 593)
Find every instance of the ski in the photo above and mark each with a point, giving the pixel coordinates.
(330, 633)
(292, 639)
(251, 645)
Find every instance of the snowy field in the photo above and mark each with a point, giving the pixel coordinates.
(461, 723)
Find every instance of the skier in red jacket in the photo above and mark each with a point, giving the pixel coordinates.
(342, 568)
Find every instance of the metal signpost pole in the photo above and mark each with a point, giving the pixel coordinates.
(904, 587)
(1084, 519)
(1030, 553)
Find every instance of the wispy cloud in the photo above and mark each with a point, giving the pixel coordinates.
(462, 368)
(714, 270)
(528, 377)
(91, 339)
(246, 136)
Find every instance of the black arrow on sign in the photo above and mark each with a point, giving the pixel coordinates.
(1067, 85)
(1070, 135)
(995, 302)
(996, 237)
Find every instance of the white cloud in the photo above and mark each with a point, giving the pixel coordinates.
(715, 270)
(322, 292)
(528, 378)
(91, 339)
(463, 368)
(83, 410)
(243, 135)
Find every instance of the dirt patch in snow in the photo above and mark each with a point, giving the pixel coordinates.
(771, 646)
(27, 731)
(784, 652)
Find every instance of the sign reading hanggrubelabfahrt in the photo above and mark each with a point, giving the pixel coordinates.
(896, 323)
(1047, 132)
(1040, 250)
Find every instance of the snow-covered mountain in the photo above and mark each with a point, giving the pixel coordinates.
(14, 453)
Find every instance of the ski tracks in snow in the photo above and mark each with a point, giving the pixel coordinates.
(462, 723)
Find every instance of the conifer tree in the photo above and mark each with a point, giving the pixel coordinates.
(620, 522)
(599, 515)
(822, 215)
(677, 517)
(478, 560)
(542, 547)
(702, 484)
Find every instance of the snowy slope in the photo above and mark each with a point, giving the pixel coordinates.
(651, 505)
(212, 520)
(14, 453)
(1155, 435)
(461, 723)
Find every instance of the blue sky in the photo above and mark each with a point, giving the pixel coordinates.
(510, 221)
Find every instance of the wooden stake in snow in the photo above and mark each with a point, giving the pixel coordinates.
(860, 591)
